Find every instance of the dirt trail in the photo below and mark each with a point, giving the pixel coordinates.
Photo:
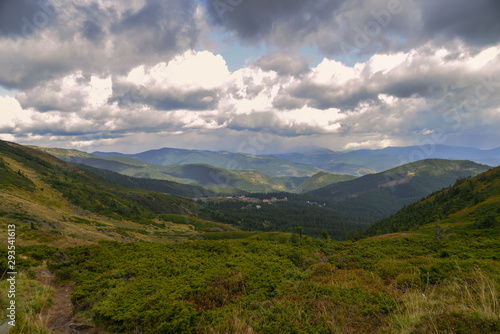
(59, 318)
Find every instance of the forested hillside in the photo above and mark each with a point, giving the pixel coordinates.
(385, 193)
(475, 199)
(53, 200)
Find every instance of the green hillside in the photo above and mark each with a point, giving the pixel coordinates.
(472, 200)
(320, 180)
(162, 186)
(218, 180)
(54, 200)
(384, 193)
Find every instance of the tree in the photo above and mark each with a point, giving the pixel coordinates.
(300, 231)
(324, 235)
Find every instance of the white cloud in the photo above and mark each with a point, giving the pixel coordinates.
(72, 92)
(385, 63)
(12, 113)
(332, 71)
(190, 70)
(370, 144)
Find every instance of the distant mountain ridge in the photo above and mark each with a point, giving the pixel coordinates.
(234, 161)
(307, 161)
(214, 179)
(383, 159)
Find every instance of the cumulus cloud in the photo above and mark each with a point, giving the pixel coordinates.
(385, 72)
(283, 63)
(189, 81)
(70, 93)
(12, 113)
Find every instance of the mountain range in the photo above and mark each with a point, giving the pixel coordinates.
(215, 179)
(360, 162)
(268, 165)
(341, 203)
(471, 201)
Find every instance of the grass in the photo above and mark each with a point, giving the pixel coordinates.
(262, 283)
(265, 283)
(471, 299)
(32, 298)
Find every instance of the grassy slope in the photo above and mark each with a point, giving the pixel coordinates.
(406, 283)
(330, 161)
(162, 186)
(52, 201)
(322, 179)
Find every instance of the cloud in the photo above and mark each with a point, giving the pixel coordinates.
(71, 93)
(429, 72)
(12, 114)
(392, 98)
(91, 37)
(386, 71)
(190, 81)
(476, 23)
(283, 63)
(20, 19)
(355, 28)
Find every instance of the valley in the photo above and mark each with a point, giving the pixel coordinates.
(383, 252)
(249, 167)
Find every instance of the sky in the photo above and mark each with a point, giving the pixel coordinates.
(251, 76)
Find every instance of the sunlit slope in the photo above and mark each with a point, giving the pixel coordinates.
(53, 201)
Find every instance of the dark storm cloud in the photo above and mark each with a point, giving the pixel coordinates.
(359, 27)
(165, 99)
(23, 18)
(160, 25)
(254, 20)
(267, 120)
(283, 63)
(94, 21)
(331, 96)
(285, 101)
(476, 22)
(92, 31)
(200, 99)
(43, 99)
(24, 70)
(115, 38)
